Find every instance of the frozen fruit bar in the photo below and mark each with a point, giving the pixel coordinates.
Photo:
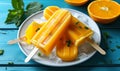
(77, 31)
(48, 12)
(67, 46)
(65, 49)
(76, 34)
(31, 31)
(51, 31)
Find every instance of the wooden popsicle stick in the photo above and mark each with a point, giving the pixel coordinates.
(96, 46)
(17, 40)
(32, 53)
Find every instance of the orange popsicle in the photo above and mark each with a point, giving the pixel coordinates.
(49, 11)
(31, 31)
(65, 49)
(67, 46)
(51, 31)
(78, 32)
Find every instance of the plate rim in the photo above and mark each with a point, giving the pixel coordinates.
(57, 65)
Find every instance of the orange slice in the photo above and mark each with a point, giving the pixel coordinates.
(76, 2)
(104, 11)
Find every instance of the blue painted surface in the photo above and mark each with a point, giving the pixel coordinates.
(13, 53)
(59, 69)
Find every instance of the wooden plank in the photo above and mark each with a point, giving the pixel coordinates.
(11, 52)
(62, 69)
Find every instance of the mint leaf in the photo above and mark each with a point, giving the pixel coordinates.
(17, 15)
(118, 46)
(19, 22)
(14, 16)
(39, 54)
(32, 8)
(1, 52)
(77, 22)
(11, 63)
(68, 42)
(18, 4)
(107, 35)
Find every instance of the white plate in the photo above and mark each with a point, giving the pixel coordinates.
(85, 52)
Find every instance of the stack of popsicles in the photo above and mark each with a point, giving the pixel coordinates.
(76, 34)
(62, 31)
(45, 39)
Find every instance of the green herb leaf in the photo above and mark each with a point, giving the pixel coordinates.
(39, 54)
(68, 43)
(118, 46)
(32, 8)
(14, 16)
(86, 27)
(77, 22)
(17, 15)
(106, 34)
(112, 50)
(10, 63)
(17, 4)
(19, 22)
(37, 29)
(1, 52)
(105, 39)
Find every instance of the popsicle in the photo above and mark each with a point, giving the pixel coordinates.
(79, 32)
(65, 49)
(67, 46)
(45, 39)
(29, 33)
(48, 12)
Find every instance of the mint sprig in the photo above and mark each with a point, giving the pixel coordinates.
(18, 14)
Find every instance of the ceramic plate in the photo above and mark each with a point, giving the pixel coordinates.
(85, 50)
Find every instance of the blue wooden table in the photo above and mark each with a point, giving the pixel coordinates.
(12, 53)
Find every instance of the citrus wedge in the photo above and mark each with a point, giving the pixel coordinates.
(104, 11)
(76, 2)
